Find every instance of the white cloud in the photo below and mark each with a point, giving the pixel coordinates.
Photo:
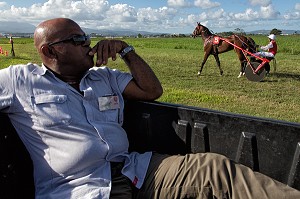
(190, 19)
(205, 4)
(248, 15)
(2, 4)
(84, 9)
(205, 17)
(154, 19)
(178, 3)
(150, 14)
(292, 16)
(212, 15)
(122, 13)
(180, 14)
(297, 6)
(260, 2)
(268, 12)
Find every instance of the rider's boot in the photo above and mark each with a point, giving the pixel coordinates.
(267, 68)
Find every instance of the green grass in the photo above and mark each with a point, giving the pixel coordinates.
(176, 62)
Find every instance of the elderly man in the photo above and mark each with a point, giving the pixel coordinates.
(69, 114)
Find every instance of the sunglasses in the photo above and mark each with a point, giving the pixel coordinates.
(76, 39)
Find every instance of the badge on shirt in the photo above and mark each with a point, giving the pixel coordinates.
(108, 102)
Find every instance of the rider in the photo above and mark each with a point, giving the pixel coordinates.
(269, 51)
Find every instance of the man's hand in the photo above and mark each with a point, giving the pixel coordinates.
(106, 49)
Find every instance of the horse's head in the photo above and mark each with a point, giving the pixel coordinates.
(198, 30)
(252, 46)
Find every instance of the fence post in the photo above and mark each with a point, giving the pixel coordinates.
(12, 46)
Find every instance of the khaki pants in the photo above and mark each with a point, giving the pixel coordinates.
(208, 175)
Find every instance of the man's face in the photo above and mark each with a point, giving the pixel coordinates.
(72, 48)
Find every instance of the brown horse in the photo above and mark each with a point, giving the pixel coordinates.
(215, 46)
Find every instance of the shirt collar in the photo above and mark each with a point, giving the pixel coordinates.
(40, 70)
(91, 73)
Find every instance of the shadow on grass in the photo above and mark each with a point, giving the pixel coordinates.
(282, 76)
(287, 75)
(15, 57)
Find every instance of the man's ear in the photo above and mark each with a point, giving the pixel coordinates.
(47, 51)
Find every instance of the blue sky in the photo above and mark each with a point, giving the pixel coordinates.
(167, 16)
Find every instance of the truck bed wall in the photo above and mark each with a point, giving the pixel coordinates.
(269, 146)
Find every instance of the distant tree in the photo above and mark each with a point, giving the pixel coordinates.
(275, 31)
(240, 31)
(140, 35)
(226, 33)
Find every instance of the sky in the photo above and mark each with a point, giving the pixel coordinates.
(161, 16)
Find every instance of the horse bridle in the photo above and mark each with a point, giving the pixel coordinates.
(199, 32)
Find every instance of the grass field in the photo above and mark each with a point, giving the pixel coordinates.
(176, 62)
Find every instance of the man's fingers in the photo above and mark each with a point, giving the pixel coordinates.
(105, 52)
(105, 49)
(93, 50)
(100, 50)
(113, 51)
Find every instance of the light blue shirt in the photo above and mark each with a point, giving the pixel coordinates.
(71, 137)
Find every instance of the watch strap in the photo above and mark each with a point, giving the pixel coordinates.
(125, 51)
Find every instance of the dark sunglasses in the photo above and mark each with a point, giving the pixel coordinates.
(76, 39)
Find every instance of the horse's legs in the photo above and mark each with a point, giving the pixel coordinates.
(243, 66)
(243, 62)
(203, 62)
(218, 63)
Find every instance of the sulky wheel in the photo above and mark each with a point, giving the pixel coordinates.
(251, 75)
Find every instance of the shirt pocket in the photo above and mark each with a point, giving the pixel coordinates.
(111, 115)
(109, 107)
(52, 110)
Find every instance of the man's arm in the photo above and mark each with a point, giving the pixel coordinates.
(6, 88)
(270, 45)
(145, 85)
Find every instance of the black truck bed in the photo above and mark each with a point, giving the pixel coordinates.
(269, 146)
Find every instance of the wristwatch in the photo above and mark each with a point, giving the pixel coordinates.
(125, 51)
